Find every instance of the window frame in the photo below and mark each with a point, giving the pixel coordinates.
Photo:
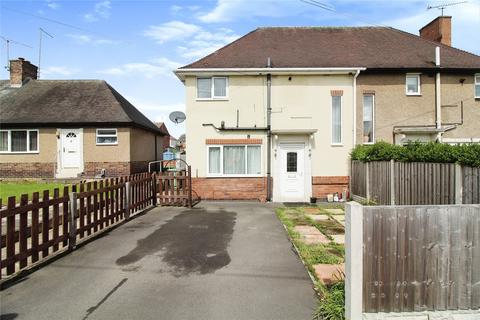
(233, 175)
(9, 141)
(332, 143)
(106, 135)
(212, 89)
(475, 84)
(373, 116)
(419, 91)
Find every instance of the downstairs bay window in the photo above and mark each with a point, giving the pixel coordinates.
(234, 160)
(18, 141)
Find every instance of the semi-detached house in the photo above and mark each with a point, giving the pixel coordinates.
(274, 114)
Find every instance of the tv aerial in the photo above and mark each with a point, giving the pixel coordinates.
(444, 5)
(177, 117)
(7, 43)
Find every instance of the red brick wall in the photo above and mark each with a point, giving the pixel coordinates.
(113, 168)
(439, 30)
(231, 188)
(322, 186)
(27, 170)
(139, 166)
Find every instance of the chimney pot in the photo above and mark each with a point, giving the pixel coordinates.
(438, 30)
(20, 71)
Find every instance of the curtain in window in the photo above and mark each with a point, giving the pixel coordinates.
(336, 119)
(367, 118)
(234, 160)
(253, 160)
(33, 135)
(3, 140)
(204, 88)
(214, 160)
(412, 84)
(220, 87)
(19, 141)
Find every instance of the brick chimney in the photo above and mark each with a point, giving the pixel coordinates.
(439, 30)
(21, 70)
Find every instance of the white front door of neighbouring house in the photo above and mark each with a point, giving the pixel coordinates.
(291, 172)
(70, 151)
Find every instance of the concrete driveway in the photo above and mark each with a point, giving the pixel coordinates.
(220, 260)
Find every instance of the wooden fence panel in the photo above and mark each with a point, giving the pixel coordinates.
(419, 258)
(471, 185)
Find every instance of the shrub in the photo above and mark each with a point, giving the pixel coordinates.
(466, 154)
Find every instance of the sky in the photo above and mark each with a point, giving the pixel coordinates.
(135, 45)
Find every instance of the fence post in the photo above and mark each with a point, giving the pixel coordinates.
(72, 221)
(154, 189)
(367, 177)
(392, 182)
(190, 186)
(353, 261)
(458, 184)
(128, 198)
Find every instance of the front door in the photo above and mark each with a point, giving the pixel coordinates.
(70, 151)
(292, 172)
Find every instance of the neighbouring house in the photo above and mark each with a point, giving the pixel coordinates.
(166, 135)
(70, 128)
(274, 114)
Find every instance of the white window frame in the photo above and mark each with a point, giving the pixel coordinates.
(373, 117)
(106, 135)
(233, 175)
(212, 90)
(336, 144)
(476, 82)
(9, 141)
(411, 75)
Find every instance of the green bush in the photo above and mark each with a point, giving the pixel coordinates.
(332, 305)
(466, 154)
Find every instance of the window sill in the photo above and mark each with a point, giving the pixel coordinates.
(107, 144)
(414, 94)
(336, 144)
(211, 99)
(19, 152)
(368, 143)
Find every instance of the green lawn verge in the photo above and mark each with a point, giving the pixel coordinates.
(8, 189)
(331, 302)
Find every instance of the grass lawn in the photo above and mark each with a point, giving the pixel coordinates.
(17, 188)
(331, 303)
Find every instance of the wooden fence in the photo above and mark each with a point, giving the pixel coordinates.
(412, 258)
(31, 231)
(415, 183)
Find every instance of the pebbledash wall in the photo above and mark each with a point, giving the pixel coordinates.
(136, 147)
(298, 102)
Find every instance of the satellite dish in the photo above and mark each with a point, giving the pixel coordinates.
(177, 117)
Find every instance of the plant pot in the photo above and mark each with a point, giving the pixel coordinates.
(313, 200)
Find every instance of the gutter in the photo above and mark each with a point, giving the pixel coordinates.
(438, 97)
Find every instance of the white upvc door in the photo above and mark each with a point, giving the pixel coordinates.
(70, 152)
(291, 172)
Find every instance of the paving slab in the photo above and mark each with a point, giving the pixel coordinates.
(329, 273)
(311, 235)
(335, 211)
(318, 217)
(312, 210)
(338, 238)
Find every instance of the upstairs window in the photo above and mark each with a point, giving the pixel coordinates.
(368, 110)
(477, 86)
(412, 86)
(212, 88)
(18, 141)
(107, 137)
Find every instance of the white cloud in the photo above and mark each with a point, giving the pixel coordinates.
(465, 24)
(101, 10)
(52, 4)
(227, 10)
(173, 30)
(88, 39)
(58, 70)
(152, 69)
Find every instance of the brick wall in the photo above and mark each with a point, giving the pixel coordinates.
(231, 188)
(113, 168)
(138, 166)
(322, 186)
(27, 170)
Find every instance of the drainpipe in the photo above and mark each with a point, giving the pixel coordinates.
(438, 102)
(355, 107)
(269, 131)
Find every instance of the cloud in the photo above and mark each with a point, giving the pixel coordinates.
(88, 39)
(58, 70)
(101, 10)
(227, 10)
(52, 5)
(152, 69)
(173, 30)
(465, 24)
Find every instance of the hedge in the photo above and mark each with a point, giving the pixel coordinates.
(465, 154)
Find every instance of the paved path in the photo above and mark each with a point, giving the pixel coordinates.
(220, 260)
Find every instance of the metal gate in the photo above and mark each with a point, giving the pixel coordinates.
(173, 183)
